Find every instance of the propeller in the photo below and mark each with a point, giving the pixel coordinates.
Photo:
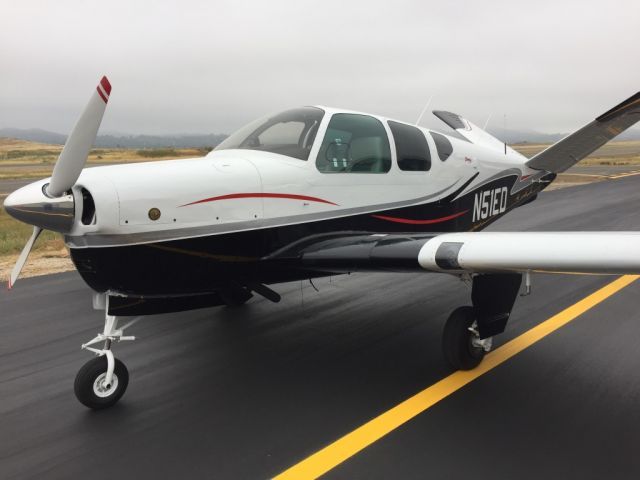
(17, 268)
(50, 205)
(74, 155)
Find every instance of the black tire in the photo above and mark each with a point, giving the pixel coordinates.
(459, 352)
(87, 376)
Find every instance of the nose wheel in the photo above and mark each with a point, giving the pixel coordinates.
(102, 381)
(463, 348)
(92, 387)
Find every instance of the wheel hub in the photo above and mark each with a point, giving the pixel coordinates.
(476, 341)
(101, 388)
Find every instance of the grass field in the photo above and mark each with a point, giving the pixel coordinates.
(28, 160)
(613, 153)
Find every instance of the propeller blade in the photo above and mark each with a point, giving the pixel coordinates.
(23, 256)
(76, 149)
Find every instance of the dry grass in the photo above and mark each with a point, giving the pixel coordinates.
(20, 152)
(40, 262)
(613, 153)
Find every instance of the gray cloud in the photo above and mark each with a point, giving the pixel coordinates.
(205, 66)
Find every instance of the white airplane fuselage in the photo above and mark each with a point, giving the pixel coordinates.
(190, 226)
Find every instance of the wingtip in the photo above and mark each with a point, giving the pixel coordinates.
(106, 85)
(631, 103)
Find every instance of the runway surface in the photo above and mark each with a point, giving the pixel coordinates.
(250, 392)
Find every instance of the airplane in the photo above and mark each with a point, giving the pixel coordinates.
(310, 192)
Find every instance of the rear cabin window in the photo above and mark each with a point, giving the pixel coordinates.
(412, 148)
(443, 145)
(354, 143)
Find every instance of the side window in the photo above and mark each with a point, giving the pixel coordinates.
(354, 144)
(443, 145)
(411, 147)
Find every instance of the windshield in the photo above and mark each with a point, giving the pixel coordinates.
(289, 133)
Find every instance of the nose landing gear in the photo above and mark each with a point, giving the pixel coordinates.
(102, 381)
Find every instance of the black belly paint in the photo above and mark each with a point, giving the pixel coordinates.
(211, 263)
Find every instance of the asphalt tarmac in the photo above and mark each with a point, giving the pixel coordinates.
(249, 392)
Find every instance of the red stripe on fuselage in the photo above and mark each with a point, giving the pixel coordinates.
(288, 196)
(419, 222)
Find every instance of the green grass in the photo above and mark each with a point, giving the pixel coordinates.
(157, 153)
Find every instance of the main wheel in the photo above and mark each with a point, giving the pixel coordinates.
(91, 389)
(460, 349)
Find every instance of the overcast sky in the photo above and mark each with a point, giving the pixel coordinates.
(210, 66)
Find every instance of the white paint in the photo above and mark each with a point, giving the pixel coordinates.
(124, 194)
(488, 203)
(566, 252)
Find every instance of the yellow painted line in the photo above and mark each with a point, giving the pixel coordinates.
(334, 454)
(584, 175)
(622, 175)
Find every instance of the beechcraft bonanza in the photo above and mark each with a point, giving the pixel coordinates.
(310, 192)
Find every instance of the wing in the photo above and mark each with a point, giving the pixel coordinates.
(470, 252)
(568, 151)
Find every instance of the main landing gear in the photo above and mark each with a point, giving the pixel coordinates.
(103, 380)
(469, 331)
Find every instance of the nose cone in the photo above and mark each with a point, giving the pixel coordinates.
(30, 205)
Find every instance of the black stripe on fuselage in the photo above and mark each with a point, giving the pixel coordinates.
(208, 263)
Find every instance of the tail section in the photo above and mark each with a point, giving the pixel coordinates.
(570, 150)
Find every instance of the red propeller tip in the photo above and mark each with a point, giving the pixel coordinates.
(106, 85)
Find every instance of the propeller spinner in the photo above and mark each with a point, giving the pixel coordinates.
(49, 205)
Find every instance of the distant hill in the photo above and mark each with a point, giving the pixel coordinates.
(514, 136)
(120, 141)
(33, 135)
(213, 139)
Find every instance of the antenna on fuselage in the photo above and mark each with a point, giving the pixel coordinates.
(423, 110)
(487, 121)
(504, 134)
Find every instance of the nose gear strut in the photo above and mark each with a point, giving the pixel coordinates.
(102, 381)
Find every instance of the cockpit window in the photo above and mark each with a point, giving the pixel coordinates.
(289, 133)
(354, 144)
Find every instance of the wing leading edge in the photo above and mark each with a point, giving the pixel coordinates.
(609, 253)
